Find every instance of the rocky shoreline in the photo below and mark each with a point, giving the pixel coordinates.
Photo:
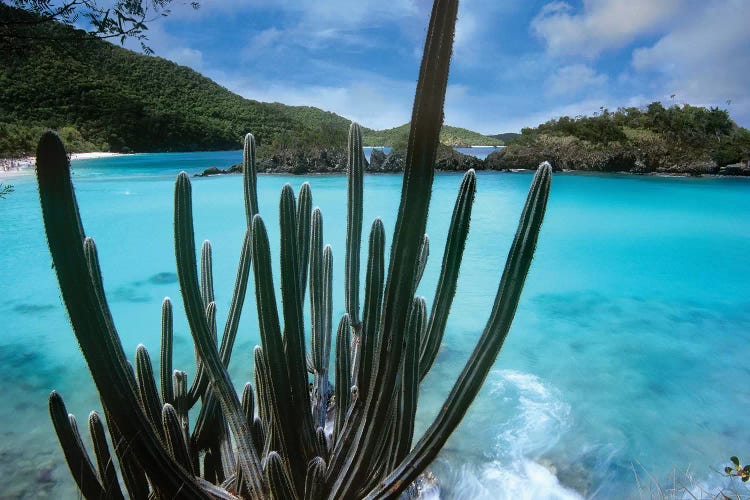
(614, 160)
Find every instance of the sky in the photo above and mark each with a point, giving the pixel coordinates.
(516, 63)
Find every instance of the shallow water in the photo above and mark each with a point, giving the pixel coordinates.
(628, 352)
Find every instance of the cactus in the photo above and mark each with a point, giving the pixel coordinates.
(276, 440)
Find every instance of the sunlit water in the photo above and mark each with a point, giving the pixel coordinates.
(628, 355)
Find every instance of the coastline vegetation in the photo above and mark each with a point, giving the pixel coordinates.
(675, 139)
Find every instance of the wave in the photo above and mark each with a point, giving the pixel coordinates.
(522, 419)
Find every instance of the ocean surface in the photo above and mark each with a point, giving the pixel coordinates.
(625, 373)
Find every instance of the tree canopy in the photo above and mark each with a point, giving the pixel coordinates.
(120, 19)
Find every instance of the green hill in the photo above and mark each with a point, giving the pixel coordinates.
(677, 139)
(103, 97)
(450, 136)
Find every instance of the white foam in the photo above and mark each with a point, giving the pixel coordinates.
(529, 422)
(539, 415)
(522, 480)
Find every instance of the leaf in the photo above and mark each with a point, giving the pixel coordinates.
(735, 461)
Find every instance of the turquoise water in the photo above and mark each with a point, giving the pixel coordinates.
(628, 353)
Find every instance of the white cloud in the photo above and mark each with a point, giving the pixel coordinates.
(572, 79)
(185, 56)
(374, 102)
(704, 60)
(600, 25)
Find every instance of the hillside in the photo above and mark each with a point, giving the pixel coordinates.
(678, 139)
(505, 137)
(103, 97)
(450, 136)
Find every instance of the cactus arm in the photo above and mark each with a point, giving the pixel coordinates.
(285, 424)
(427, 117)
(294, 338)
(364, 353)
(249, 179)
(167, 340)
(424, 254)
(86, 309)
(320, 435)
(78, 460)
(343, 374)
(220, 382)
(374, 281)
(179, 382)
(355, 173)
(173, 436)
(133, 475)
(238, 299)
(317, 311)
(409, 391)
(458, 231)
(277, 475)
(104, 462)
(316, 289)
(315, 479)
(304, 213)
(262, 388)
(321, 341)
(200, 382)
(483, 357)
(207, 274)
(149, 397)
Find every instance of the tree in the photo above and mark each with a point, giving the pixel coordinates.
(121, 19)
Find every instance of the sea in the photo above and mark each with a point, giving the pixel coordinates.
(625, 374)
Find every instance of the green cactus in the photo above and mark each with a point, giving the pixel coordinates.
(274, 440)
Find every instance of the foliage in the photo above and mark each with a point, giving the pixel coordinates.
(120, 19)
(654, 135)
(274, 440)
(122, 101)
(737, 470)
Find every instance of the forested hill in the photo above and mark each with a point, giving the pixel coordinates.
(103, 97)
(450, 136)
(677, 139)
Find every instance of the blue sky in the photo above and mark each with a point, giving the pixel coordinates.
(516, 63)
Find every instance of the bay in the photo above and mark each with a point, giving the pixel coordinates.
(627, 356)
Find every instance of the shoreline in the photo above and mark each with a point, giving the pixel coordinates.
(14, 167)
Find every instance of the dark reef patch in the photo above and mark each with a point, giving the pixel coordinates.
(163, 278)
(32, 308)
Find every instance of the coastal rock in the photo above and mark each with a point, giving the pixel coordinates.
(494, 160)
(210, 171)
(451, 160)
(299, 161)
(393, 162)
(377, 158)
(695, 167)
(742, 168)
(446, 159)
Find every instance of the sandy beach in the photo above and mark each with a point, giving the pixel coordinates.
(13, 167)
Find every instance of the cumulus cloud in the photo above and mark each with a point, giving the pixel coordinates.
(704, 60)
(374, 102)
(572, 79)
(600, 24)
(185, 56)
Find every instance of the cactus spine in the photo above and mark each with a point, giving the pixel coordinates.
(276, 439)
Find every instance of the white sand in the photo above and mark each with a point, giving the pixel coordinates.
(14, 167)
